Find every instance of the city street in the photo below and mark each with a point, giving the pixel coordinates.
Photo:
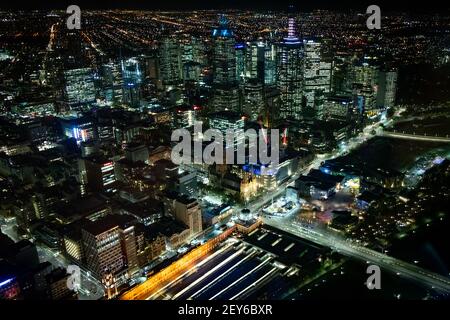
(90, 288)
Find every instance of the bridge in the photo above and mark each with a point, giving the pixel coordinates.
(412, 136)
(432, 280)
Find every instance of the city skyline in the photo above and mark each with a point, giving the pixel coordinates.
(283, 5)
(134, 159)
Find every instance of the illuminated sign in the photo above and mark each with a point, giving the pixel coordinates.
(4, 283)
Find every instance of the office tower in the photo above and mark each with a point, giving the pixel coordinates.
(255, 60)
(225, 88)
(290, 74)
(127, 235)
(311, 77)
(387, 88)
(100, 174)
(132, 80)
(186, 183)
(182, 181)
(224, 120)
(185, 116)
(365, 86)
(72, 242)
(342, 74)
(188, 211)
(253, 104)
(170, 63)
(75, 55)
(103, 249)
(192, 71)
(240, 62)
(270, 70)
(79, 87)
(326, 72)
(194, 51)
(316, 77)
(337, 107)
(112, 83)
(150, 63)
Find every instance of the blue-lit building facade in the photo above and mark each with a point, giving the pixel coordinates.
(132, 80)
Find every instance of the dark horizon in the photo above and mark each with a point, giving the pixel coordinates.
(281, 5)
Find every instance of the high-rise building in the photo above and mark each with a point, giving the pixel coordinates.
(225, 87)
(103, 248)
(132, 80)
(100, 174)
(253, 104)
(224, 120)
(79, 87)
(194, 51)
(170, 55)
(270, 65)
(255, 60)
(365, 86)
(192, 71)
(290, 74)
(337, 107)
(109, 245)
(127, 234)
(342, 74)
(387, 89)
(316, 77)
(188, 211)
(112, 83)
(240, 62)
(228, 120)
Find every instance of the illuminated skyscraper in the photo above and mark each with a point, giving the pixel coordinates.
(240, 62)
(387, 89)
(225, 88)
(270, 70)
(170, 62)
(79, 87)
(365, 86)
(132, 79)
(316, 77)
(253, 103)
(109, 244)
(194, 51)
(112, 83)
(102, 246)
(255, 60)
(289, 74)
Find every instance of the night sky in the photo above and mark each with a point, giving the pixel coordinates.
(305, 5)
